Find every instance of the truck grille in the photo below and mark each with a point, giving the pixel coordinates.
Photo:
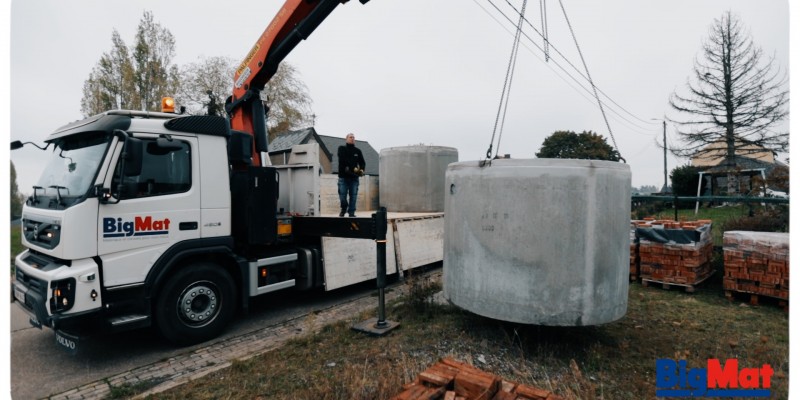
(32, 283)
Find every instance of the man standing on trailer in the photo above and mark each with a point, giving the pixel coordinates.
(351, 166)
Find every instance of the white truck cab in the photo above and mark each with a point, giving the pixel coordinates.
(131, 224)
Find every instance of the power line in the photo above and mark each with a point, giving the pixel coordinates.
(588, 75)
(505, 96)
(557, 64)
(546, 44)
(567, 60)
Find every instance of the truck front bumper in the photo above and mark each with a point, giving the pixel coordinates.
(31, 302)
(32, 289)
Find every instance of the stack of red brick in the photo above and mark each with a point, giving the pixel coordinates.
(757, 262)
(452, 380)
(685, 264)
(634, 271)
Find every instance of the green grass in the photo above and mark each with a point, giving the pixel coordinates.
(16, 245)
(714, 213)
(611, 361)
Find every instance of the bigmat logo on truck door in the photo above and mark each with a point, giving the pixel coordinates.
(140, 226)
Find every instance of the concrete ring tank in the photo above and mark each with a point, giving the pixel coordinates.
(412, 177)
(542, 241)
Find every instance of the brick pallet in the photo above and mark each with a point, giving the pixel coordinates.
(756, 263)
(452, 380)
(634, 265)
(673, 264)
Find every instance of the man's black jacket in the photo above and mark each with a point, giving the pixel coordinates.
(350, 157)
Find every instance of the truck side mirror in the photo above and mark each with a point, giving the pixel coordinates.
(133, 152)
(17, 144)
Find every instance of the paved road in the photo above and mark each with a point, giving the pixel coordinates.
(39, 368)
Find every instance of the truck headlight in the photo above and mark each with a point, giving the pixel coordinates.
(63, 295)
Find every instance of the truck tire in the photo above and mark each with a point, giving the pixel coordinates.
(195, 304)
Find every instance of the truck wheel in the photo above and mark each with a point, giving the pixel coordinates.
(196, 304)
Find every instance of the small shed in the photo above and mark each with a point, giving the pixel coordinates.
(714, 180)
(371, 157)
(281, 148)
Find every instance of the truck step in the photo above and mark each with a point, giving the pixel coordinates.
(129, 321)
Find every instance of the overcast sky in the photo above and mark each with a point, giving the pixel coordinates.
(398, 73)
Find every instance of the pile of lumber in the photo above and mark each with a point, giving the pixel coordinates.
(756, 263)
(452, 380)
(675, 263)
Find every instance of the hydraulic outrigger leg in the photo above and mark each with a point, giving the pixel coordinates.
(379, 326)
(357, 228)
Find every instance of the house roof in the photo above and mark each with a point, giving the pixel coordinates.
(283, 142)
(371, 157)
(714, 153)
(328, 144)
(743, 163)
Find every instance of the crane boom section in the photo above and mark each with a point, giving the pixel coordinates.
(294, 22)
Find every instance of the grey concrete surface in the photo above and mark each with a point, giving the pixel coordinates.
(412, 177)
(539, 241)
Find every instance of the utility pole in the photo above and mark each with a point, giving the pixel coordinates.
(664, 189)
(664, 122)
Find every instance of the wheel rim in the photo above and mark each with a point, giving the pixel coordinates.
(198, 304)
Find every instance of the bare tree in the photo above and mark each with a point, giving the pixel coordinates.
(206, 84)
(139, 75)
(16, 197)
(154, 75)
(110, 84)
(133, 77)
(209, 81)
(733, 100)
(288, 101)
(95, 99)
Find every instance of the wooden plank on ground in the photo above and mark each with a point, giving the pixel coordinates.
(418, 241)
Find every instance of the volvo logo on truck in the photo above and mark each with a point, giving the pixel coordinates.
(140, 226)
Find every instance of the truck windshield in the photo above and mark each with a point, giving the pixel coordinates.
(71, 168)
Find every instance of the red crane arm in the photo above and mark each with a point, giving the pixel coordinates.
(294, 22)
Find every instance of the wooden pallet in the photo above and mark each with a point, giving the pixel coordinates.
(689, 287)
(756, 298)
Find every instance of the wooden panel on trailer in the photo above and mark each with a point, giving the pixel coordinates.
(418, 241)
(349, 261)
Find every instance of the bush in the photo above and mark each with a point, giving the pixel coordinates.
(648, 209)
(773, 220)
(684, 183)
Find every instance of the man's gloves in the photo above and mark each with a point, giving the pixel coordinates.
(357, 171)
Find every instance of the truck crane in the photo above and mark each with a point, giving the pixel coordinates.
(157, 219)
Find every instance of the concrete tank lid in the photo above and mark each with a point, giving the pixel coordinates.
(540, 163)
(419, 147)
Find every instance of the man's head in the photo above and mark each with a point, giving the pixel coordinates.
(350, 138)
